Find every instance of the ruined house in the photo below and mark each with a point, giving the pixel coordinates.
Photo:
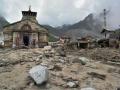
(115, 35)
(79, 43)
(65, 39)
(85, 42)
(26, 32)
(107, 33)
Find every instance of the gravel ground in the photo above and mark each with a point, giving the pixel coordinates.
(15, 65)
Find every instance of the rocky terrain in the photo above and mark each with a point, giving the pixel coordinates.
(69, 70)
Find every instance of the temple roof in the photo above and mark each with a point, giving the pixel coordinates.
(14, 25)
(29, 18)
(29, 13)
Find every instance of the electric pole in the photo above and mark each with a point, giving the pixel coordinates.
(105, 22)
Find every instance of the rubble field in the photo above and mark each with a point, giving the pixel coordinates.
(95, 68)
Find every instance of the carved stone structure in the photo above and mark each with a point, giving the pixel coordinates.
(27, 32)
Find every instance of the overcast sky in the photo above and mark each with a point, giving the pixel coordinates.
(59, 12)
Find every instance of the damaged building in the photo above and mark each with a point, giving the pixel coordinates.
(115, 35)
(85, 42)
(112, 39)
(79, 43)
(25, 33)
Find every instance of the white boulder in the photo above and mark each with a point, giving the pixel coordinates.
(47, 48)
(71, 84)
(39, 74)
(83, 60)
(89, 88)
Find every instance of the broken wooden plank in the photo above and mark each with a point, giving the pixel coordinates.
(97, 75)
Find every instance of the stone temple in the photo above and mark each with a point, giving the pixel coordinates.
(25, 33)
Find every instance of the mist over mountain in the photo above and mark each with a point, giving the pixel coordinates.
(90, 26)
(60, 12)
(3, 22)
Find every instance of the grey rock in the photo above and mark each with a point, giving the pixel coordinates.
(71, 84)
(84, 60)
(39, 74)
(81, 60)
(89, 88)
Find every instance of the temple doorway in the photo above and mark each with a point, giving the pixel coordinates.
(26, 40)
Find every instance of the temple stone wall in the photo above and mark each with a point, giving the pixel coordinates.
(27, 32)
(13, 34)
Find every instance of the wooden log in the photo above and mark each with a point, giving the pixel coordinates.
(96, 75)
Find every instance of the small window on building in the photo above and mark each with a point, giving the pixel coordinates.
(7, 36)
(26, 27)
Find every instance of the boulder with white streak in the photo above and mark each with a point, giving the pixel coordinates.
(89, 88)
(39, 74)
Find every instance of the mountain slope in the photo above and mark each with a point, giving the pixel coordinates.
(89, 26)
(3, 22)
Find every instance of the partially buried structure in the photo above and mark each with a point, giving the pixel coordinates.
(27, 32)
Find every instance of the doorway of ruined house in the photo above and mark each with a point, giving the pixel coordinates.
(83, 45)
(26, 40)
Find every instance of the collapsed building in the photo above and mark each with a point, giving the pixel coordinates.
(79, 43)
(115, 34)
(112, 38)
(85, 42)
(26, 32)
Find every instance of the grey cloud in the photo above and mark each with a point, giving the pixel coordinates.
(59, 12)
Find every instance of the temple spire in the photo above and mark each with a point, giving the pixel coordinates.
(29, 14)
(29, 7)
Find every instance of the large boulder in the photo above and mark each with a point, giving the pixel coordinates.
(39, 74)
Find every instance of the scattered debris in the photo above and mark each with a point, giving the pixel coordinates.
(61, 51)
(83, 68)
(57, 68)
